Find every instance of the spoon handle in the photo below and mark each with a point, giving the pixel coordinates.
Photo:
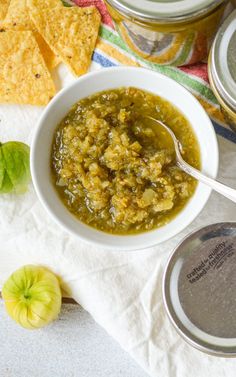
(228, 192)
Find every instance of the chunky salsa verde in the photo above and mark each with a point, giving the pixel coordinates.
(115, 169)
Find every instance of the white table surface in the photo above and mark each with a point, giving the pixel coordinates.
(73, 346)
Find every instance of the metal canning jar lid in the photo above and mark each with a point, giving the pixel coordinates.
(164, 10)
(223, 62)
(199, 289)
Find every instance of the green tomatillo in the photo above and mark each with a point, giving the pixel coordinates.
(32, 296)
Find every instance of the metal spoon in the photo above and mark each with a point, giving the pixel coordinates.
(222, 189)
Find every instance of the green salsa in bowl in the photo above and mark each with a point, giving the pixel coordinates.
(103, 172)
(114, 169)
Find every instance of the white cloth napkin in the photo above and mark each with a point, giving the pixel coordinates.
(122, 291)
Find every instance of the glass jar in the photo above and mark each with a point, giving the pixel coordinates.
(222, 69)
(173, 32)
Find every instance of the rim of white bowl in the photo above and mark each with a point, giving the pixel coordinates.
(105, 244)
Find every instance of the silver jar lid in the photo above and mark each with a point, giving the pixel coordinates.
(223, 61)
(199, 289)
(164, 10)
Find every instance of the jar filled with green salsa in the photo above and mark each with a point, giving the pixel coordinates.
(173, 32)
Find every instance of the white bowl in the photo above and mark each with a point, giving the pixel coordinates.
(111, 78)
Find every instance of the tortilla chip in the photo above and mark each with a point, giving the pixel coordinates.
(17, 14)
(3, 8)
(24, 77)
(50, 58)
(70, 32)
(18, 19)
(47, 4)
